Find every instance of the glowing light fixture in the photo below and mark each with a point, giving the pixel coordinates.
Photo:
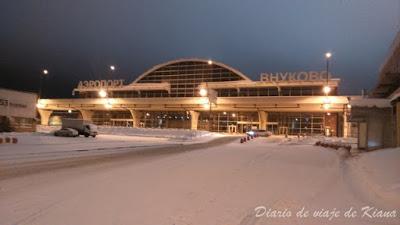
(326, 106)
(224, 113)
(206, 105)
(40, 105)
(69, 111)
(102, 93)
(45, 72)
(328, 55)
(108, 104)
(112, 67)
(210, 62)
(326, 89)
(349, 106)
(233, 115)
(203, 92)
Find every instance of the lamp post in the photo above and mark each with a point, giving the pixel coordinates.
(104, 93)
(45, 72)
(326, 89)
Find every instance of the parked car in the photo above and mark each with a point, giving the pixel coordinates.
(83, 127)
(66, 132)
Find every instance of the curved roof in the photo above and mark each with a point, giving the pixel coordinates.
(159, 66)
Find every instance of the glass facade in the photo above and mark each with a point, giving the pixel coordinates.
(112, 118)
(178, 119)
(230, 122)
(296, 123)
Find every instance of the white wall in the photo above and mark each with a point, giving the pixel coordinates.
(18, 104)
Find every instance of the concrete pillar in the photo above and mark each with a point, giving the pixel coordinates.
(263, 119)
(44, 116)
(87, 114)
(136, 115)
(194, 119)
(346, 126)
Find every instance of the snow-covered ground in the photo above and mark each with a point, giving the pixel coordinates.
(217, 185)
(43, 145)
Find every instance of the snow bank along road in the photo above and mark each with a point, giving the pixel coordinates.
(41, 152)
(216, 185)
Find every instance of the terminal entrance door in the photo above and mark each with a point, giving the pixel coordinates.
(244, 126)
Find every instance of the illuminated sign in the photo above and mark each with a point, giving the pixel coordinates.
(294, 76)
(100, 83)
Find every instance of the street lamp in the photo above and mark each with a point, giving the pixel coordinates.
(44, 73)
(112, 67)
(326, 88)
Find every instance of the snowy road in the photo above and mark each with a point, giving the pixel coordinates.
(216, 185)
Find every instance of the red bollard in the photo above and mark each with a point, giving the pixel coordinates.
(244, 139)
(14, 140)
(241, 140)
(248, 138)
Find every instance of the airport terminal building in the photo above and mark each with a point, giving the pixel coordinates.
(208, 95)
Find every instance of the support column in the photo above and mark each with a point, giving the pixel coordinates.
(194, 119)
(44, 116)
(263, 119)
(136, 117)
(86, 114)
(398, 124)
(346, 126)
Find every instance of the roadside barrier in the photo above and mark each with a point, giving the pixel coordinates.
(8, 140)
(248, 138)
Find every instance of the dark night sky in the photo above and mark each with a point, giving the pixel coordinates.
(77, 40)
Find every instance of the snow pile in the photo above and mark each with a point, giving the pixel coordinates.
(174, 134)
(311, 140)
(378, 171)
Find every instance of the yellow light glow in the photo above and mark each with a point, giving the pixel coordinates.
(224, 113)
(210, 62)
(233, 115)
(69, 111)
(108, 103)
(112, 67)
(326, 89)
(349, 106)
(102, 93)
(327, 100)
(45, 72)
(203, 92)
(40, 105)
(326, 106)
(206, 106)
